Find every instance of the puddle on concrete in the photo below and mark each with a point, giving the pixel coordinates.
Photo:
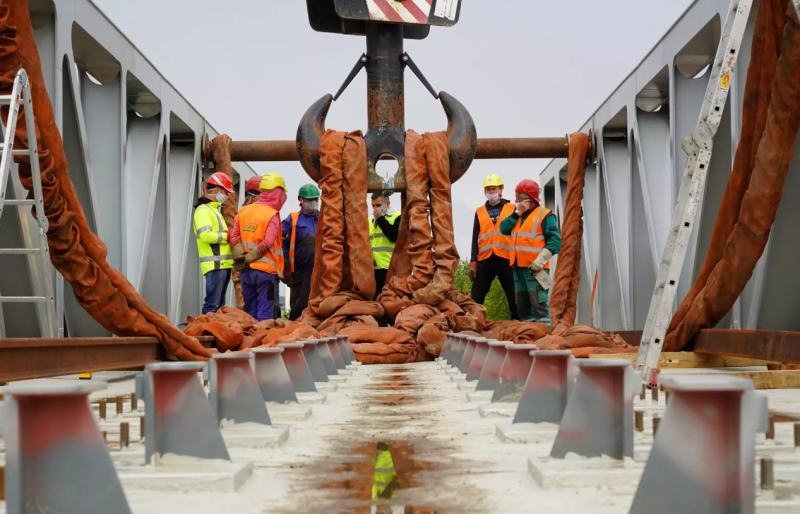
(378, 480)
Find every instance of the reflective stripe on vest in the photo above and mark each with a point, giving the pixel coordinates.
(293, 239)
(382, 247)
(490, 239)
(253, 222)
(528, 238)
(211, 254)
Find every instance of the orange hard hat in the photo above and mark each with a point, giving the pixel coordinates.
(253, 184)
(530, 188)
(221, 179)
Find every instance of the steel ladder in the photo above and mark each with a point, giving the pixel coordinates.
(21, 93)
(698, 146)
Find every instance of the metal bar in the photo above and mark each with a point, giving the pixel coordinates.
(488, 148)
(22, 299)
(24, 359)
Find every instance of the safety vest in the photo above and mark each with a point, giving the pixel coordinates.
(490, 239)
(528, 238)
(293, 239)
(382, 247)
(253, 222)
(209, 221)
(383, 476)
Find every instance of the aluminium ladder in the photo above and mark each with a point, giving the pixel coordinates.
(21, 92)
(698, 146)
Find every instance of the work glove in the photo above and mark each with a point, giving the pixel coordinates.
(238, 264)
(288, 278)
(238, 251)
(472, 272)
(541, 260)
(252, 255)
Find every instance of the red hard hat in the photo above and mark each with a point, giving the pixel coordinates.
(530, 188)
(222, 180)
(253, 184)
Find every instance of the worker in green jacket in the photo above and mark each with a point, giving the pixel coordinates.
(536, 239)
(211, 232)
(383, 231)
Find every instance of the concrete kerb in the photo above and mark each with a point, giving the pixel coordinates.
(298, 369)
(513, 372)
(272, 376)
(713, 420)
(238, 405)
(49, 429)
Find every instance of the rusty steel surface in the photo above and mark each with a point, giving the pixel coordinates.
(771, 345)
(523, 148)
(29, 358)
(768, 345)
(487, 148)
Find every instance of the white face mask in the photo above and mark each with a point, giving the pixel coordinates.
(385, 210)
(521, 206)
(493, 197)
(221, 197)
(310, 207)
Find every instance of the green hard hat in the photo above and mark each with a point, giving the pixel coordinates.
(309, 191)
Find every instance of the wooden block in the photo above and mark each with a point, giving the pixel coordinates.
(782, 379)
(673, 360)
(2, 483)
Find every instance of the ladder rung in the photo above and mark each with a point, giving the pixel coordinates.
(19, 251)
(20, 202)
(19, 151)
(22, 299)
(6, 99)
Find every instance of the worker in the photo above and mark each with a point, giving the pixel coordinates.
(211, 232)
(491, 250)
(383, 231)
(299, 240)
(257, 247)
(535, 238)
(252, 190)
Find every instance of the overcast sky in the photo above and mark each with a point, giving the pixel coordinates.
(523, 68)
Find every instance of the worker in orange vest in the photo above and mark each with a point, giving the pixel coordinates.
(491, 250)
(257, 247)
(299, 240)
(535, 239)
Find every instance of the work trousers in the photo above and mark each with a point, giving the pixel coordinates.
(532, 298)
(258, 289)
(486, 271)
(216, 287)
(301, 289)
(380, 280)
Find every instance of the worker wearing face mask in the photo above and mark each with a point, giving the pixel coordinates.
(211, 232)
(258, 247)
(535, 239)
(491, 250)
(383, 231)
(299, 240)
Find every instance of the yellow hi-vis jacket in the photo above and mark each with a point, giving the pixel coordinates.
(382, 247)
(383, 476)
(212, 238)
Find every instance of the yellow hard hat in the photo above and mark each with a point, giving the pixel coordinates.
(271, 181)
(492, 180)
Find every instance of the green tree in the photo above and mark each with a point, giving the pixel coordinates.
(495, 303)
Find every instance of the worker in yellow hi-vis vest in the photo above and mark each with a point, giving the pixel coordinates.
(383, 231)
